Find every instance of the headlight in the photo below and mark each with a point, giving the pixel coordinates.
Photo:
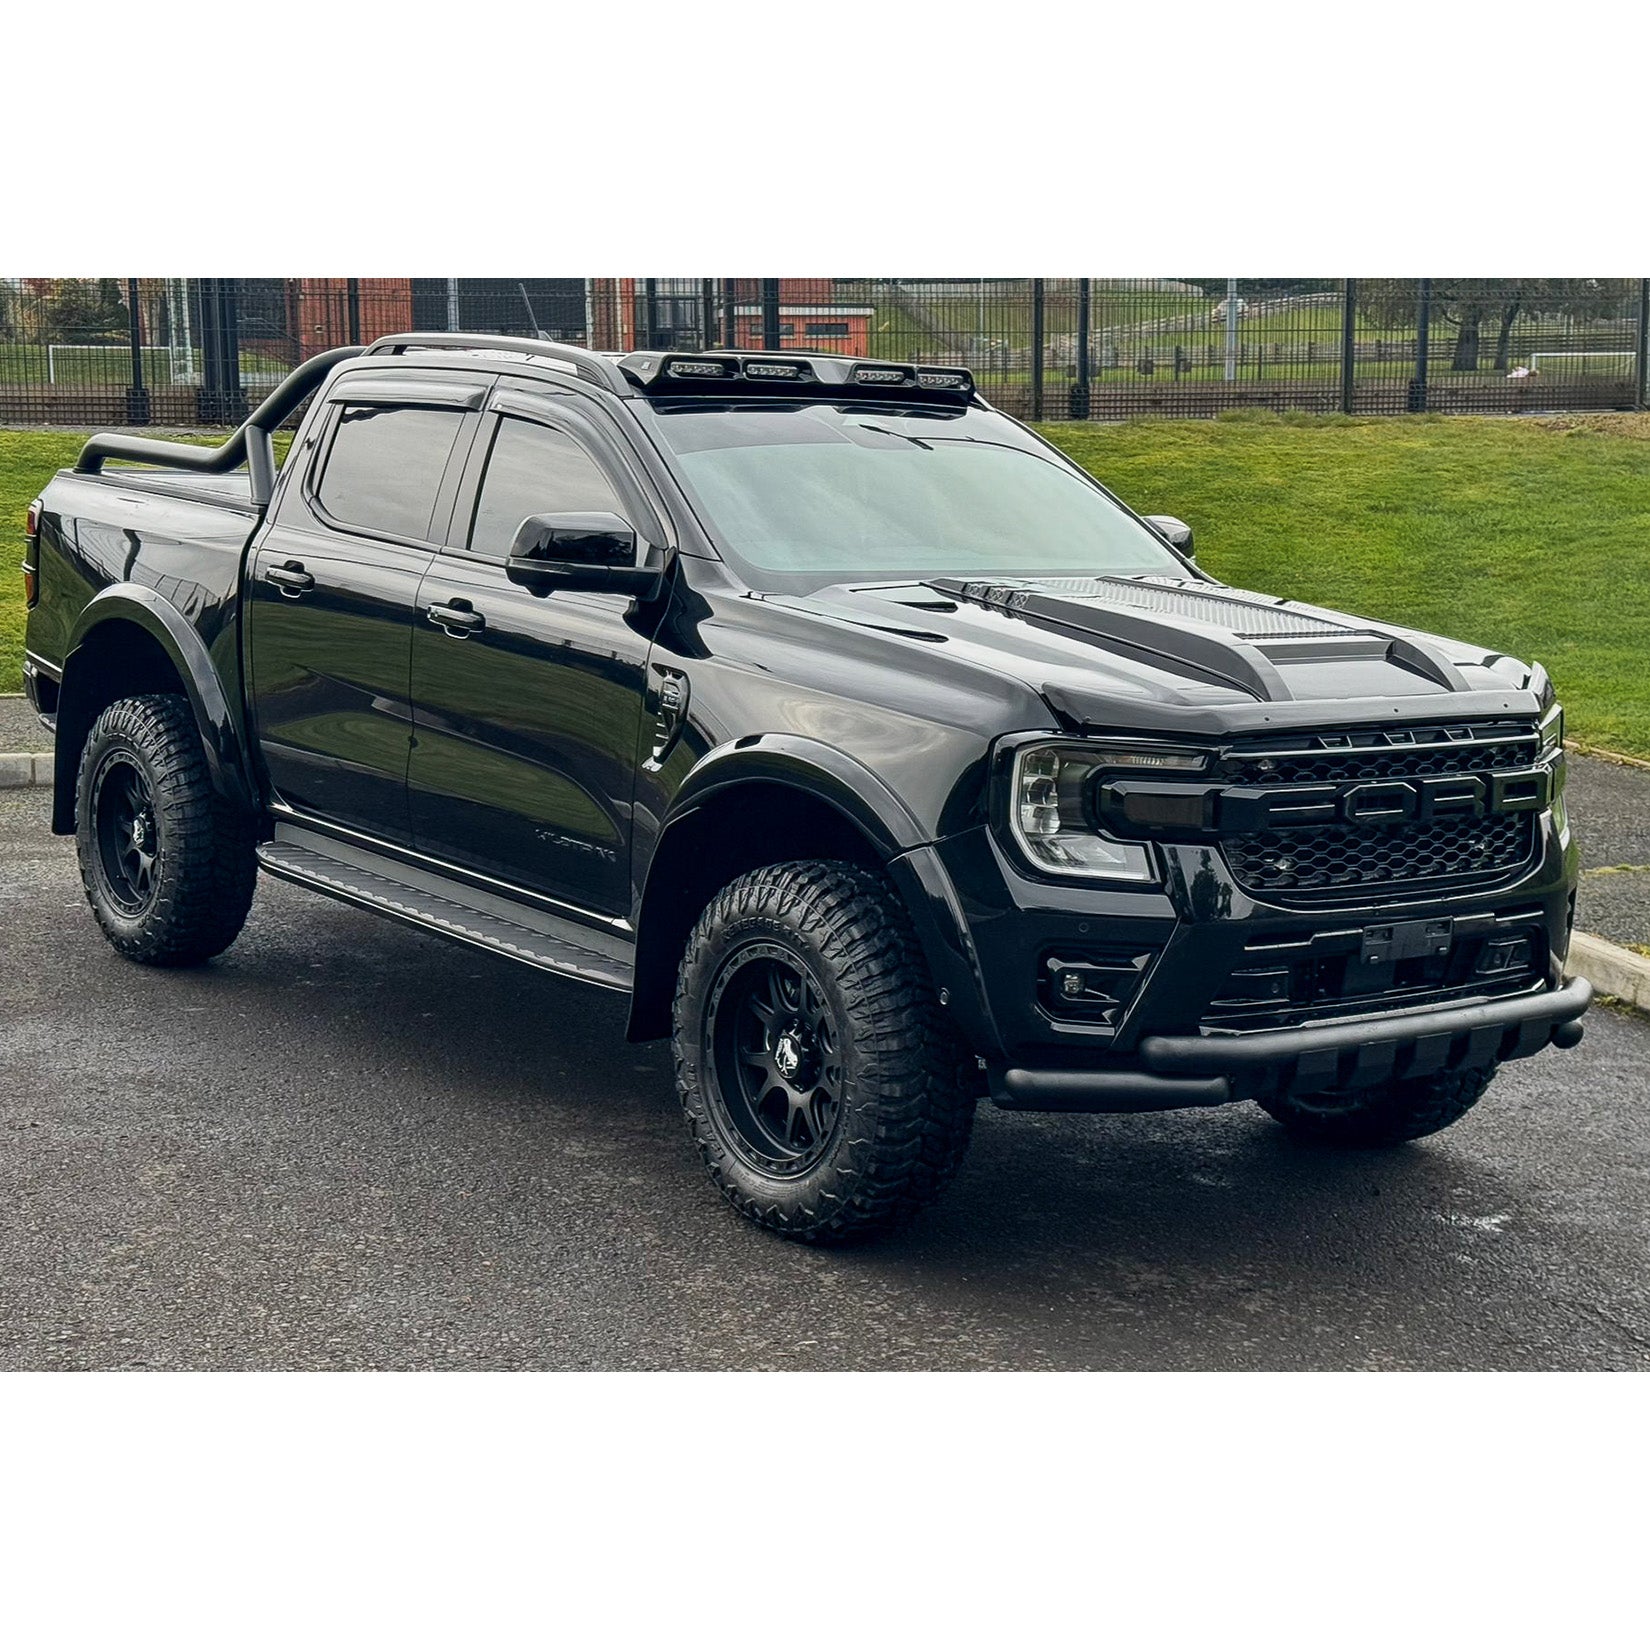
(1552, 732)
(1051, 816)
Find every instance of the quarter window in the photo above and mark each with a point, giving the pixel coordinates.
(385, 467)
(534, 471)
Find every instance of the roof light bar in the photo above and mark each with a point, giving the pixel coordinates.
(728, 372)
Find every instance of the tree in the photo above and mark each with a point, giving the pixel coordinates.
(1286, 286)
(1471, 305)
(86, 312)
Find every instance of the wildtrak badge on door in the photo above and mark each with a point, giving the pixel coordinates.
(880, 756)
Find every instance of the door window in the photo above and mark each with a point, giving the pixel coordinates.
(385, 467)
(534, 471)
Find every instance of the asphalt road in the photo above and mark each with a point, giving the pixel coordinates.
(346, 1145)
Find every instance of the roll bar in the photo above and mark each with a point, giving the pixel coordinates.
(250, 444)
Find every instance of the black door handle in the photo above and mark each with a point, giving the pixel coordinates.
(290, 579)
(457, 618)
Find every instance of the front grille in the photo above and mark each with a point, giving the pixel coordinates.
(1385, 753)
(1349, 856)
(1320, 859)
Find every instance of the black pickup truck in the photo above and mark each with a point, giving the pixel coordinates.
(883, 758)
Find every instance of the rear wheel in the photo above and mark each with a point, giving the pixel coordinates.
(820, 1078)
(1385, 1116)
(168, 868)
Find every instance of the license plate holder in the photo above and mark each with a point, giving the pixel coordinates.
(1389, 942)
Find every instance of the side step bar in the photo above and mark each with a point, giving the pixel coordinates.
(443, 905)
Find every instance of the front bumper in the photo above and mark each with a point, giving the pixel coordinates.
(1215, 1067)
(1186, 1034)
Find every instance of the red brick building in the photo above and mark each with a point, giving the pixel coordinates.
(319, 310)
(810, 317)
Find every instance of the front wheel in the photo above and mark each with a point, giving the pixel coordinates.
(1384, 1116)
(819, 1076)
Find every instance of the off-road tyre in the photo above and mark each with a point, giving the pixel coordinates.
(1385, 1116)
(143, 760)
(904, 1086)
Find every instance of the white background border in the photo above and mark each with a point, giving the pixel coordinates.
(1016, 1510)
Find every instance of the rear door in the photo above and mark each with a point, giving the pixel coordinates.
(331, 590)
(527, 707)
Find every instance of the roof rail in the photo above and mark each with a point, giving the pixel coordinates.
(597, 368)
(249, 444)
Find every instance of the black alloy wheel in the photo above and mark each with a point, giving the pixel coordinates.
(776, 1053)
(128, 834)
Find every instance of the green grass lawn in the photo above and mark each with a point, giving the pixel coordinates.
(1528, 535)
(110, 363)
(1532, 536)
(27, 459)
(1001, 311)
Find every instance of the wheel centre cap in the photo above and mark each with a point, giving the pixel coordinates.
(140, 831)
(788, 1054)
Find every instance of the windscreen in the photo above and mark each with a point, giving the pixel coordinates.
(803, 495)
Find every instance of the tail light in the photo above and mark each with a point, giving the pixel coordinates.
(31, 555)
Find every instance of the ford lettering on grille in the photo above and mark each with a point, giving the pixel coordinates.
(1383, 801)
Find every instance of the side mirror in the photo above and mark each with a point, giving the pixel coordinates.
(1174, 530)
(579, 552)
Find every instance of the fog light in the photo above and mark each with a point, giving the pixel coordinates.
(1502, 956)
(1094, 984)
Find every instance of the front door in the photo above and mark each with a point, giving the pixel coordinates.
(527, 708)
(330, 605)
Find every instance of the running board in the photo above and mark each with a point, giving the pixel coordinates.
(448, 907)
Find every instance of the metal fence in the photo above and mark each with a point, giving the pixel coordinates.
(186, 351)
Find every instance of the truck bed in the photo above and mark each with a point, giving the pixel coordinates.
(232, 491)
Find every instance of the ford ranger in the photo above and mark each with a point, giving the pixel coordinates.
(876, 753)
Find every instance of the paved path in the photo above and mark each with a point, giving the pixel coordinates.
(1610, 811)
(20, 728)
(347, 1145)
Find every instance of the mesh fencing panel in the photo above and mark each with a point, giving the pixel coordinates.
(201, 351)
